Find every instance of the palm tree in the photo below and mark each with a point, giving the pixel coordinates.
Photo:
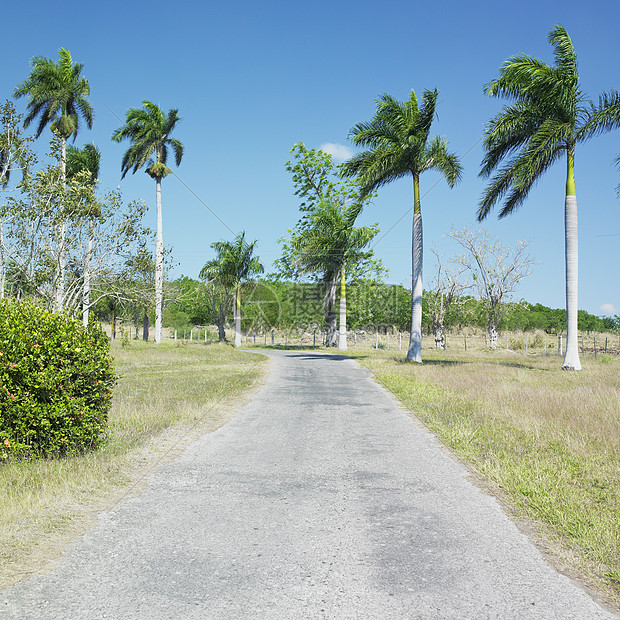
(149, 131)
(398, 144)
(233, 265)
(549, 116)
(57, 94)
(329, 245)
(86, 160)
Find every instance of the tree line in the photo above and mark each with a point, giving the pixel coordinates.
(546, 116)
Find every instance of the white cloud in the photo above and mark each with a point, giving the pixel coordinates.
(609, 309)
(339, 152)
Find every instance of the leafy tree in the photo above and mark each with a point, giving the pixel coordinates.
(329, 245)
(148, 129)
(57, 94)
(234, 264)
(397, 139)
(549, 117)
(325, 198)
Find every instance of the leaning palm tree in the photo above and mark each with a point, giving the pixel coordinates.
(233, 265)
(86, 160)
(549, 116)
(57, 94)
(148, 129)
(329, 245)
(398, 144)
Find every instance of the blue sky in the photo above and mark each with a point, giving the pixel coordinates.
(251, 79)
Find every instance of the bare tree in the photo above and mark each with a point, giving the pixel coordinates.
(446, 291)
(495, 270)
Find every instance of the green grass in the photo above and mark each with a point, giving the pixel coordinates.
(548, 440)
(167, 396)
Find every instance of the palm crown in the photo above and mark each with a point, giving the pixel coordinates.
(149, 131)
(399, 145)
(57, 94)
(549, 116)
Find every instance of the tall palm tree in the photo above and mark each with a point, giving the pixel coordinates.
(330, 245)
(398, 143)
(148, 129)
(57, 94)
(549, 116)
(233, 265)
(87, 160)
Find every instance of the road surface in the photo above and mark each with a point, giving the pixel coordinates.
(321, 499)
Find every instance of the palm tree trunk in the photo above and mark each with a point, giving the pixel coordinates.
(414, 354)
(342, 333)
(238, 318)
(331, 318)
(159, 264)
(571, 359)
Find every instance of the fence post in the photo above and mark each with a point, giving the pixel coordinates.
(355, 339)
(314, 338)
(273, 337)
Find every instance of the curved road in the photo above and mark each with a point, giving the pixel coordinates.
(321, 499)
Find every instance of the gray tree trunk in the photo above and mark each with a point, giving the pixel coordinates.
(493, 335)
(331, 318)
(237, 314)
(342, 331)
(414, 354)
(61, 238)
(145, 326)
(440, 337)
(159, 265)
(86, 290)
(571, 359)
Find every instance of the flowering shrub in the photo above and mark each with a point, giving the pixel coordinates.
(56, 380)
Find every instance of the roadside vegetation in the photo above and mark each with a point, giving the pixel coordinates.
(166, 397)
(547, 442)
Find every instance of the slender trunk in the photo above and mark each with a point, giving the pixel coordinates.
(238, 318)
(159, 264)
(331, 318)
(342, 332)
(86, 290)
(414, 354)
(571, 359)
(61, 236)
(493, 335)
(2, 261)
(113, 324)
(145, 326)
(440, 337)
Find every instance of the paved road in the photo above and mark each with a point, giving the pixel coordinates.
(321, 499)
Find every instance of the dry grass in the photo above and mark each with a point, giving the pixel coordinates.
(167, 396)
(550, 440)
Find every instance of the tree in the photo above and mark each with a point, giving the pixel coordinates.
(549, 117)
(57, 94)
(148, 129)
(446, 293)
(233, 265)
(86, 160)
(329, 246)
(398, 143)
(317, 184)
(495, 270)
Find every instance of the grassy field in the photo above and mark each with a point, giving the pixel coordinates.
(547, 441)
(167, 396)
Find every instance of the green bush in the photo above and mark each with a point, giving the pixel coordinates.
(56, 380)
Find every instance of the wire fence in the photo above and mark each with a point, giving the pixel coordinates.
(526, 343)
